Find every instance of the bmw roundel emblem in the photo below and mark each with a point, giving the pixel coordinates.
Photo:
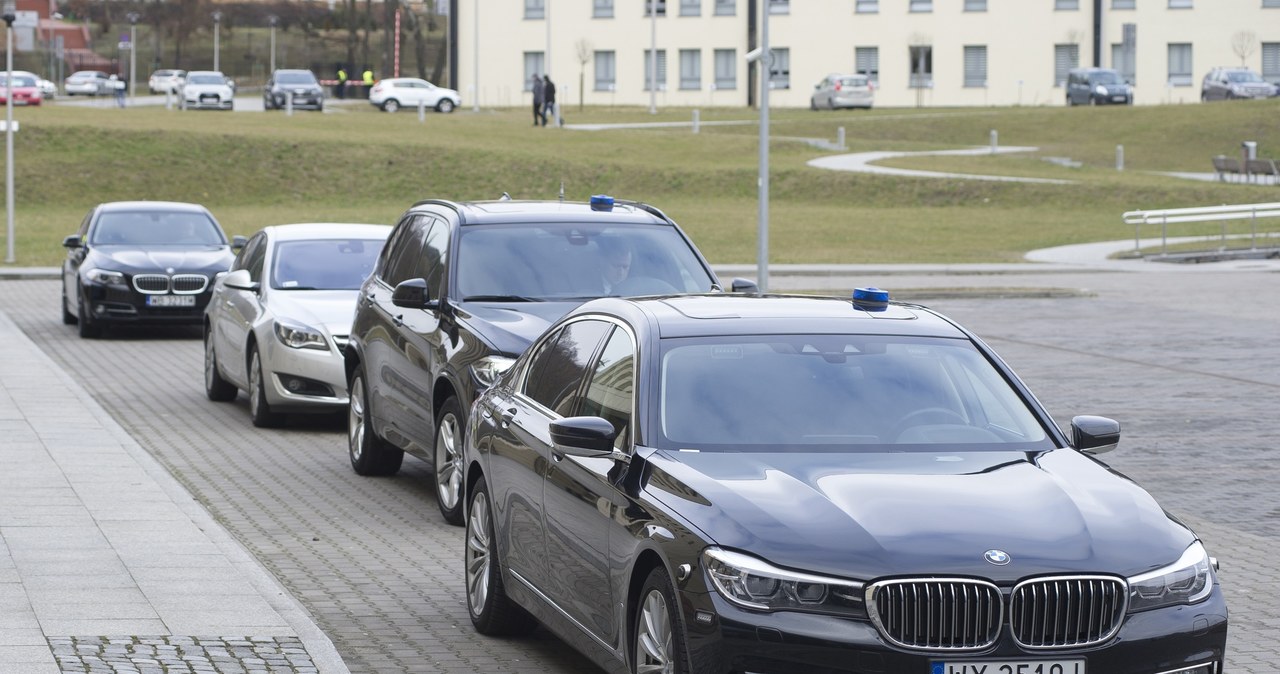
(997, 557)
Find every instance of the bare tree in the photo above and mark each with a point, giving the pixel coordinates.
(1244, 44)
(584, 50)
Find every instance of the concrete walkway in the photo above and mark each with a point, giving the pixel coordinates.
(864, 162)
(107, 564)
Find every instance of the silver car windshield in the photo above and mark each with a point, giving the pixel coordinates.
(206, 79)
(324, 264)
(837, 393)
(156, 228)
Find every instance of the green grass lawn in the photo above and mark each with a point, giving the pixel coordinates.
(359, 165)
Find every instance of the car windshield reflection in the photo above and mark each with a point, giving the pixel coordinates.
(156, 228)
(324, 264)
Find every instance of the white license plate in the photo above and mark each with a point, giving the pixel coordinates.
(171, 300)
(1009, 667)
(1117, 99)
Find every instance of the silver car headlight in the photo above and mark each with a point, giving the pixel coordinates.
(105, 277)
(1100, 90)
(299, 336)
(753, 583)
(488, 369)
(1186, 581)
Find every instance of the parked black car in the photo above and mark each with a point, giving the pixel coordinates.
(462, 288)
(717, 483)
(300, 85)
(142, 262)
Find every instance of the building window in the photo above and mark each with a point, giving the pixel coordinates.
(779, 6)
(690, 7)
(533, 65)
(867, 7)
(1271, 62)
(1271, 3)
(602, 9)
(1122, 4)
(691, 69)
(921, 6)
(726, 7)
(606, 71)
(1124, 63)
(1065, 57)
(659, 5)
(1066, 5)
(1180, 64)
(975, 66)
(726, 69)
(780, 69)
(866, 61)
(975, 5)
(662, 70)
(535, 9)
(921, 67)
(1179, 4)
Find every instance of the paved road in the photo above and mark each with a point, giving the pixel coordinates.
(1186, 361)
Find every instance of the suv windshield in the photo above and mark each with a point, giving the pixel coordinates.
(147, 228)
(324, 264)
(295, 78)
(575, 262)
(1243, 76)
(1105, 77)
(838, 393)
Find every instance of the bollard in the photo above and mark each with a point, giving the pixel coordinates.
(994, 141)
(840, 137)
(168, 99)
(1119, 157)
(422, 111)
(288, 105)
(696, 120)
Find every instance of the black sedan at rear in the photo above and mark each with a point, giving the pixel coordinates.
(136, 262)
(718, 483)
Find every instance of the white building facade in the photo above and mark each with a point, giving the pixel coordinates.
(918, 52)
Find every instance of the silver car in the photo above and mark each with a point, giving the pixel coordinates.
(88, 83)
(1224, 84)
(166, 81)
(279, 320)
(843, 91)
(206, 89)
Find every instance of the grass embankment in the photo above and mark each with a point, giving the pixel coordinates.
(359, 165)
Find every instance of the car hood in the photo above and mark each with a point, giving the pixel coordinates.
(180, 259)
(870, 515)
(328, 309)
(510, 327)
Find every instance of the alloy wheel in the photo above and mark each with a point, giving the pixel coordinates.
(477, 555)
(355, 419)
(448, 462)
(653, 636)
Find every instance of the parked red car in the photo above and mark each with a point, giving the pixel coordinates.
(26, 90)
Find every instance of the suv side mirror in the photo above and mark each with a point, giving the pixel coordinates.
(240, 279)
(583, 436)
(412, 294)
(741, 285)
(72, 241)
(238, 241)
(1095, 435)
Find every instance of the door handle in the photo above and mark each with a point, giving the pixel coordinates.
(507, 415)
(398, 320)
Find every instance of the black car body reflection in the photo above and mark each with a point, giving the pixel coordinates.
(135, 262)
(715, 483)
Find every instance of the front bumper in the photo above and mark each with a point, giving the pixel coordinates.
(303, 379)
(1151, 642)
(313, 101)
(208, 102)
(119, 305)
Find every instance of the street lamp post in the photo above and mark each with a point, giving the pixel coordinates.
(10, 13)
(217, 33)
(273, 20)
(133, 51)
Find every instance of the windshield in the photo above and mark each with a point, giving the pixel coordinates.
(1105, 77)
(87, 74)
(296, 78)
(1243, 76)
(19, 81)
(163, 228)
(837, 393)
(574, 262)
(206, 79)
(324, 264)
(853, 81)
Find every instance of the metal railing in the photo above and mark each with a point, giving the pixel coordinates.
(1171, 216)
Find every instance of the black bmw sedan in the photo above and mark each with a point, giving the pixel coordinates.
(135, 262)
(720, 483)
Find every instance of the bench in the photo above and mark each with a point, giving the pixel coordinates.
(1226, 166)
(1262, 168)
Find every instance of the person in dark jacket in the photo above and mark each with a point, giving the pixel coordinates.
(549, 98)
(539, 99)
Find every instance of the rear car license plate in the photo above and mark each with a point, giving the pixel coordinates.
(171, 300)
(1009, 667)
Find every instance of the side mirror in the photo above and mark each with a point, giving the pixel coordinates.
(238, 242)
(1095, 435)
(72, 241)
(240, 279)
(412, 294)
(741, 285)
(583, 436)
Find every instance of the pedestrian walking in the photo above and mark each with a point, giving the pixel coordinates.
(341, 91)
(119, 84)
(539, 99)
(549, 98)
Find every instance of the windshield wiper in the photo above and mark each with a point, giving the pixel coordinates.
(501, 298)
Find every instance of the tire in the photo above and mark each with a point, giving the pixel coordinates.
(445, 105)
(446, 457)
(216, 388)
(68, 318)
(259, 409)
(390, 105)
(492, 612)
(813, 103)
(370, 455)
(658, 639)
(88, 329)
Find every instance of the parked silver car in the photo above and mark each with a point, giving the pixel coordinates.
(88, 83)
(166, 81)
(206, 89)
(843, 91)
(1224, 84)
(279, 320)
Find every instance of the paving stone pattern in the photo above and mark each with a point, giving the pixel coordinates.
(1190, 365)
(181, 655)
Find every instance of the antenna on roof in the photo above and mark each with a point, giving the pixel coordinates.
(561, 191)
(505, 197)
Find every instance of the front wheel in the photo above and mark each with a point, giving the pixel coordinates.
(88, 329)
(448, 461)
(659, 631)
(370, 454)
(260, 412)
(491, 611)
(445, 105)
(68, 318)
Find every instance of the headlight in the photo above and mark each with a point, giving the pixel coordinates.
(299, 336)
(488, 369)
(1186, 581)
(755, 584)
(1100, 90)
(105, 277)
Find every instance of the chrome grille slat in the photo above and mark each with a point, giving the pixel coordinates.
(945, 614)
(189, 284)
(151, 284)
(1065, 612)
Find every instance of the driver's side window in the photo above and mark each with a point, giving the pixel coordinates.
(610, 391)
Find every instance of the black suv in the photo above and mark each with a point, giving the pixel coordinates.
(461, 289)
(300, 85)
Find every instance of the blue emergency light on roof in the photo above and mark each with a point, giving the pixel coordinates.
(601, 202)
(870, 299)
